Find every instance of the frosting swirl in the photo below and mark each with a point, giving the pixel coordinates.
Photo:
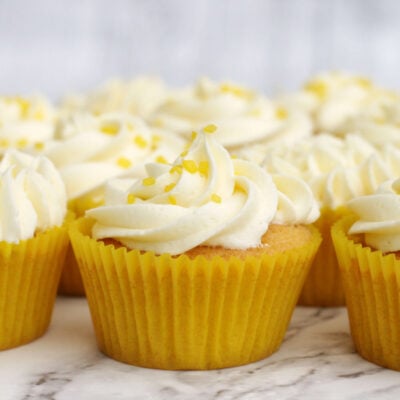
(93, 149)
(379, 217)
(32, 196)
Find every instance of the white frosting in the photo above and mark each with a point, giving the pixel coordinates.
(243, 117)
(140, 97)
(337, 170)
(206, 198)
(379, 217)
(93, 149)
(25, 122)
(32, 196)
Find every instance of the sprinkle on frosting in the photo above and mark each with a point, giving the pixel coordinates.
(210, 128)
(149, 181)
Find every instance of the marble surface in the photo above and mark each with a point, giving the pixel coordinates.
(316, 361)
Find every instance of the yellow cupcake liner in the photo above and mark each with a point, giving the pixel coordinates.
(29, 275)
(166, 312)
(371, 282)
(71, 283)
(323, 285)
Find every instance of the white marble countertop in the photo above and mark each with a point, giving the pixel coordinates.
(316, 361)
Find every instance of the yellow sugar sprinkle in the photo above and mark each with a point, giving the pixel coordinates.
(364, 82)
(236, 90)
(318, 88)
(150, 180)
(190, 166)
(140, 141)
(172, 200)
(130, 198)
(4, 143)
(281, 113)
(204, 167)
(124, 162)
(169, 187)
(234, 156)
(215, 198)
(161, 160)
(210, 128)
(176, 168)
(21, 143)
(238, 189)
(110, 128)
(24, 106)
(184, 153)
(39, 145)
(194, 135)
(155, 139)
(39, 115)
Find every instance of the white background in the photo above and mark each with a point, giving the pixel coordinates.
(56, 46)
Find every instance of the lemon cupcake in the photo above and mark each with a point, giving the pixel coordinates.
(200, 264)
(89, 151)
(368, 250)
(33, 243)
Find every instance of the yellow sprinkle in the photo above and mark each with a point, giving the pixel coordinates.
(39, 115)
(131, 198)
(140, 141)
(176, 168)
(22, 143)
(236, 90)
(39, 145)
(204, 167)
(172, 200)
(190, 166)
(155, 139)
(194, 135)
(239, 189)
(364, 82)
(281, 113)
(161, 160)
(234, 156)
(124, 162)
(184, 153)
(169, 187)
(24, 106)
(318, 88)
(110, 128)
(210, 128)
(150, 180)
(215, 198)
(4, 143)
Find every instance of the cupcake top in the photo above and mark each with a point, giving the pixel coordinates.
(139, 97)
(336, 169)
(33, 196)
(204, 198)
(25, 122)
(92, 149)
(341, 103)
(243, 117)
(379, 217)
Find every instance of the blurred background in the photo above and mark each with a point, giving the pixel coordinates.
(273, 45)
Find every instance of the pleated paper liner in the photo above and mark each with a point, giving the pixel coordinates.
(29, 275)
(323, 285)
(71, 283)
(188, 313)
(372, 285)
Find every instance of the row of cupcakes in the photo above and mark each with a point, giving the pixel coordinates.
(92, 146)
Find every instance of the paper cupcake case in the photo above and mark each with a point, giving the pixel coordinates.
(323, 285)
(180, 313)
(372, 285)
(29, 275)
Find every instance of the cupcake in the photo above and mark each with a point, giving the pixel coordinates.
(198, 265)
(89, 151)
(33, 243)
(247, 121)
(337, 171)
(368, 250)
